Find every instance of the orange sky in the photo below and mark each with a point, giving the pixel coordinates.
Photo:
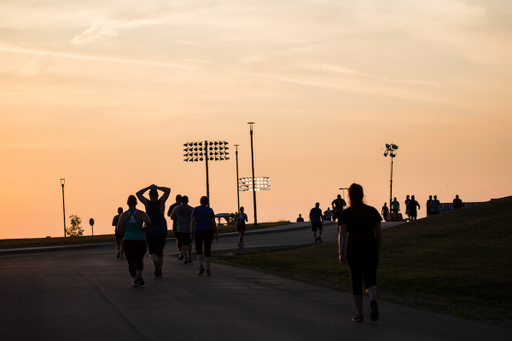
(105, 95)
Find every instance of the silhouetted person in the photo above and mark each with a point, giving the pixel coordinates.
(385, 211)
(407, 200)
(131, 225)
(203, 230)
(395, 208)
(328, 214)
(119, 235)
(360, 233)
(429, 206)
(241, 219)
(300, 219)
(338, 204)
(457, 203)
(435, 206)
(156, 234)
(173, 206)
(182, 215)
(413, 207)
(316, 218)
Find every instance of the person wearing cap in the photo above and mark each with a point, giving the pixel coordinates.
(157, 232)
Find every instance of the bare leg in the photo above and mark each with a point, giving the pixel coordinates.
(372, 293)
(208, 261)
(190, 250)
(358, 300)
(200, 258)
(314, 234)
(241, 237)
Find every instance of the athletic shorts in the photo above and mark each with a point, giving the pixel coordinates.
(156, 245)
(316, 226)
(183, 239)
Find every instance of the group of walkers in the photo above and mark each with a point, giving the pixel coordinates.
(138, 231)
(433, 207)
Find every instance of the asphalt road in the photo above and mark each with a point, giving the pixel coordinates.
(85, 294)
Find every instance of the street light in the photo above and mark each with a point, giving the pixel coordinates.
(206, 151)
(238, 190)
(343, 189)
(251, 125)
(391, 151)
(259, 184)
(62, 182)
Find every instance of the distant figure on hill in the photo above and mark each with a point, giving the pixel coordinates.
(169, 212)
(241, 219)
(300, 219)
(182, 215)
(407, 201)
(395, 208)
(118, 234)
(413, 206)
(338, 204)
(131, 225)
(315, 216)
(156, 234)
(429, 206)
(457, 203)
(385, 211)
(435, 206)
(361, 234)
(327, 214)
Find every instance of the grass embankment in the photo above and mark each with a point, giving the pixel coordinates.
(107, 238)
(459, 262)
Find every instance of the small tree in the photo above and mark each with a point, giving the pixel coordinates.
(75, 229)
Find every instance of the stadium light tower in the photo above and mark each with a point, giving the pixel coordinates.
(261, 183)
(62, 182)
(200, 151)
(238, 190)
(391, 151)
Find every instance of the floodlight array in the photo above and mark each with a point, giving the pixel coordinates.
(260, 184)
(211, 150)
(391, 150)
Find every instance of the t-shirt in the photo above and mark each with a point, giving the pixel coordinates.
(435, 206)
(315, 215)
(360, 227)
(204, 216)
(183, 214)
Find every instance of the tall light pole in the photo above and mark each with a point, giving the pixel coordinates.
(391, 151)
(237, 189)
(206, 151)
(251, 125)
(343, 189)
(62, 182)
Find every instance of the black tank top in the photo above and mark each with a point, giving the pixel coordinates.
(153, 212)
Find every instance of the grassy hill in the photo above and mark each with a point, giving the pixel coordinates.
(458, 262)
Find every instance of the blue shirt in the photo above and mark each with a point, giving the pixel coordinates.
(204, 216)
(315, 215)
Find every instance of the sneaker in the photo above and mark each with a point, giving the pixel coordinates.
(208, 273)
(239, 245)
(180, 256)
(118, 253)
(358, 318)
(135, 283)
(374, 315)
(185, 261)
(320, 240)
(316, 240)
(141, 281)
(201, 270)
(122, 256)
(157, 269)
(190, 260)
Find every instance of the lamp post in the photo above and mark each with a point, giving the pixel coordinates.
(251, 125)
(206, 151)
(237, 189)
(391, 151)
(343, 189)
(62, 182)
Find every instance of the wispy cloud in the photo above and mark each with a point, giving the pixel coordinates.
(109, 28)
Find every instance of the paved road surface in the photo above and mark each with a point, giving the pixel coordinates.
(86, 295)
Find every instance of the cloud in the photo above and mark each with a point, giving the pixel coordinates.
(109, 28)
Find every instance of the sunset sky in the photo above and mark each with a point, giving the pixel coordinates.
(105, 94)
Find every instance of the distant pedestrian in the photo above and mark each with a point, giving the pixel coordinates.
(385, 211)
(328, 214)
(315, 216)
(203, 230)
(131, 225)
(361, 234)
(169, 212)
(300, 219)
(338, 204)
(457, 203)
(407, 200)
(413, 206)
(156, 234)
(395, 208)
(118, 234)
(435, 206)
(429, 206)
(182, 215)
(241, 219)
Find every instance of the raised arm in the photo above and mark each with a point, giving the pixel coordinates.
(378, 234)
(140, 194)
